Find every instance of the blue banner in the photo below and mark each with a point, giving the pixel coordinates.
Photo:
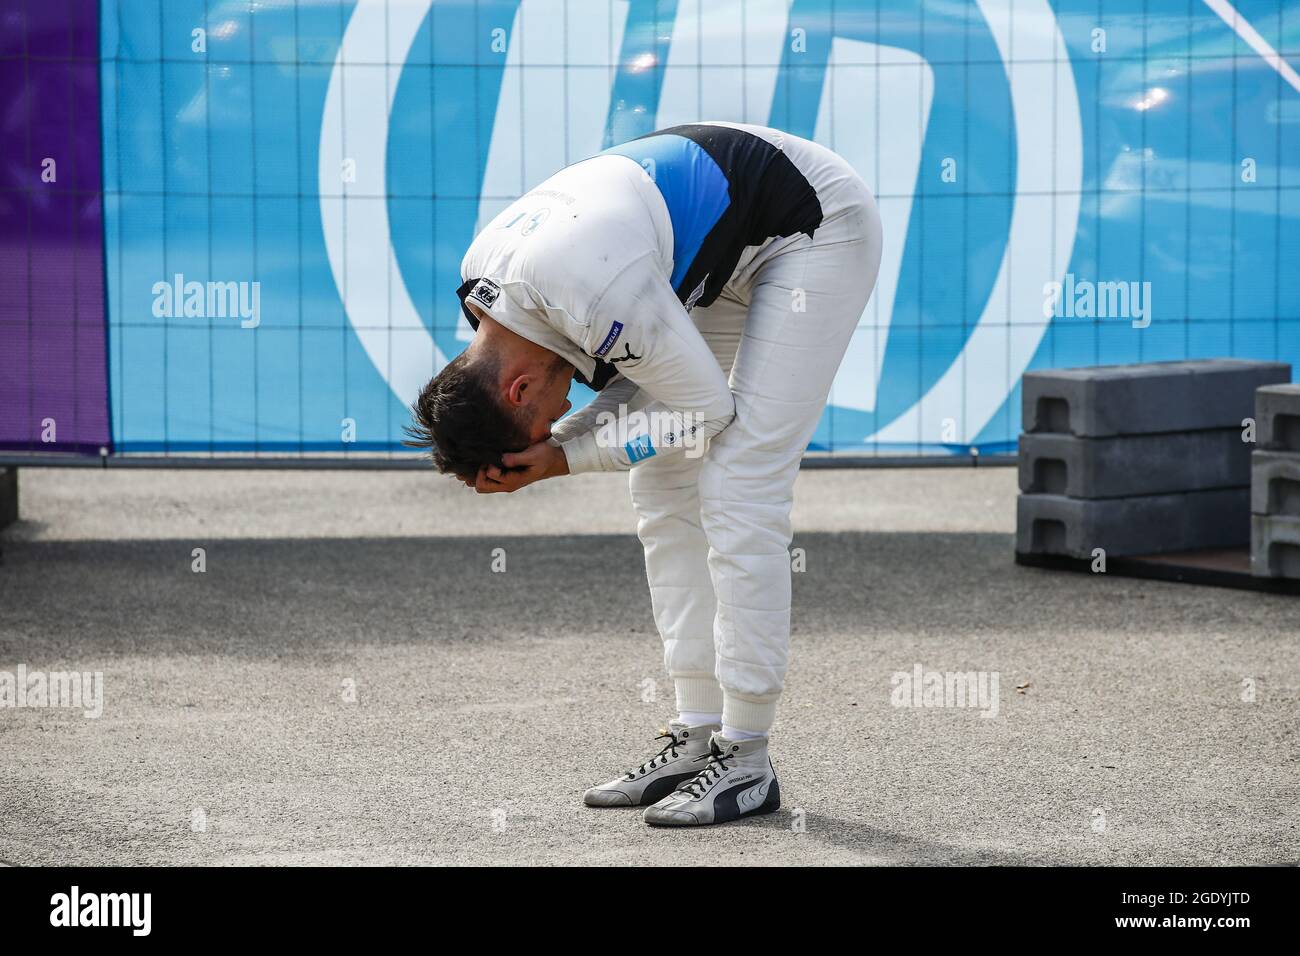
(289, 190)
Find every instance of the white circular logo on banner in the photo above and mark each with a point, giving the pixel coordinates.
(358, 241)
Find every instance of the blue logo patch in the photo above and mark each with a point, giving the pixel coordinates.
(639, 448)
(614, 331)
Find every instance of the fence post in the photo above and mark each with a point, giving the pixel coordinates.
(8, 496)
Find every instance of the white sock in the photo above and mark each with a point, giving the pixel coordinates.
(733, 733)
(693, 718)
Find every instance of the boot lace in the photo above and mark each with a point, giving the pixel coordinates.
(670, 750)
(711, 774)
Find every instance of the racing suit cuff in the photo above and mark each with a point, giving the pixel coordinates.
(583, 454)
(699, 694)
(754, 716)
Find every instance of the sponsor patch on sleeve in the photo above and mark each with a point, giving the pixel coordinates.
(639, 448)
(486, 291)
(614, 331)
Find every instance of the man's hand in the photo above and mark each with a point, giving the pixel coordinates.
(534, 463)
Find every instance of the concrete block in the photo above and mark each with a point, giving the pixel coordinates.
(1277, 418)
(8, 496)
(1125, 465)
(1275, 483)
(1144, 524)
(1143, 399)
(1274, 546)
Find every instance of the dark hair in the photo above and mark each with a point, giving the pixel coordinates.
(460, 418)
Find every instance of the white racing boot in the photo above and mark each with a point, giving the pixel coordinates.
(680, 760)
(738, 781)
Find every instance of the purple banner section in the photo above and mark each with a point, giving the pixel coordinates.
(53, 371)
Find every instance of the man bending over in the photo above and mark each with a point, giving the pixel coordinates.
(705, 280)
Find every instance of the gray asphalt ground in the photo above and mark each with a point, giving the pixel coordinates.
(485, 702)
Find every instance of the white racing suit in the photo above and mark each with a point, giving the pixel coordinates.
(706, 280)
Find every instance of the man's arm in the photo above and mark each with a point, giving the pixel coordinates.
(660, 351)
(620, 391)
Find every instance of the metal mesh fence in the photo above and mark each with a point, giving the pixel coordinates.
(252, 239)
